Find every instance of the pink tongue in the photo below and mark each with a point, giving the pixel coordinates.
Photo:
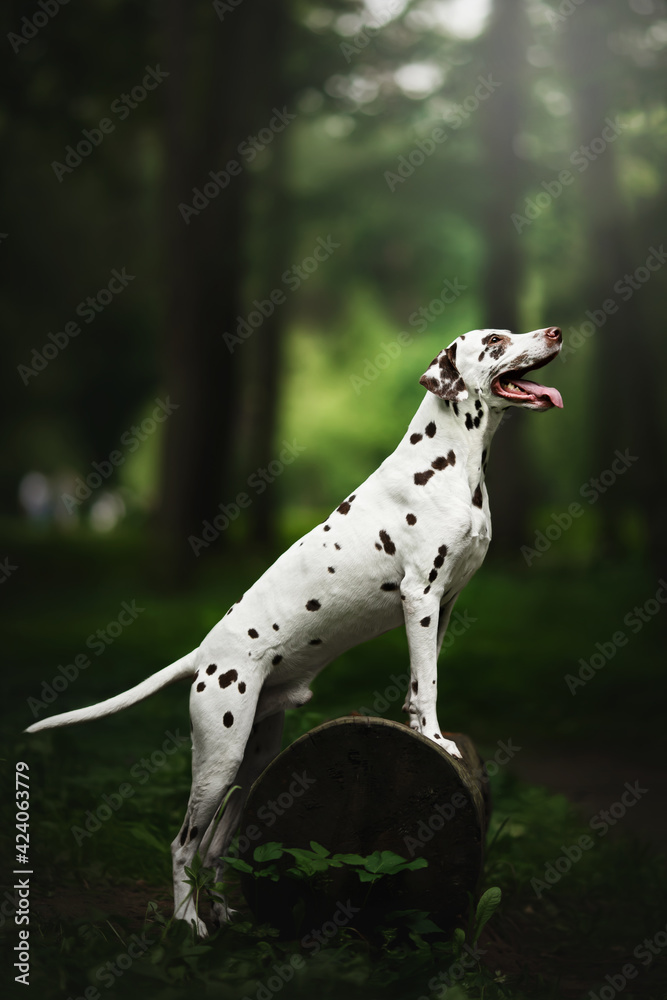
(541, 391)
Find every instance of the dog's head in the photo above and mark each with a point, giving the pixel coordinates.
(492, 363)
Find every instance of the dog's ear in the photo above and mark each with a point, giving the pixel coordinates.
(443, 378)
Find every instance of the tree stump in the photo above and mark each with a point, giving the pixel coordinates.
(358, 785)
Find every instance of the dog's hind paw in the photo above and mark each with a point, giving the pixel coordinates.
(222, 913)
(200, 928)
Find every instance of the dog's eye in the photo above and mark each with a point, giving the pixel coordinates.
(494, 339)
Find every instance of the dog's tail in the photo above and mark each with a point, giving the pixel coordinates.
(184, 667)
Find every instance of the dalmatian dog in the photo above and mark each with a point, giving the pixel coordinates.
(398, 550)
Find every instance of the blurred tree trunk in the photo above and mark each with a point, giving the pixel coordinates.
(219, 91)
(511, 477)
(271, 257)
(624, 400)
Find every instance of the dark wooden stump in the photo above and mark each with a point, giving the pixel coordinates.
(375, 786)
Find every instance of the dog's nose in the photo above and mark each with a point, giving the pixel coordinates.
(553, 333)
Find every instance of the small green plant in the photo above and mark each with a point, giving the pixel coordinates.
(317, 861)
(488, 904)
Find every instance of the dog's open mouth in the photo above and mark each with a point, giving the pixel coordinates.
(511, 386)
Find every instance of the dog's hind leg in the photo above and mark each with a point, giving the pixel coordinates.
(222, 709)
(262, 746)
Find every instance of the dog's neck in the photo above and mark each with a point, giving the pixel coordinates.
(464, 428)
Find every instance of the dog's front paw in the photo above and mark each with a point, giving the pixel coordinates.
(434, 734)
(444, 744)
(450, 747)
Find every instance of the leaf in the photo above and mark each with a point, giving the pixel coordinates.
(373, 861)
(318, 849)
(311, 865)
(197, 863)
(269, 871)
(418, 921)
(386, 862)
(297, 873)
(238, 864)
(227, 798)
(486, 907)
(268, 852)
(412, 866)
(309, 862)
(365, 876)
(349, 859)
(301, 852)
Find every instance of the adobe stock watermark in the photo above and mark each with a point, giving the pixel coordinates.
(581, 158)
(468, 960)
(88, 310)
(31, 26)
(7, 569)
(564, 10)
(645, 952)
(111, 971)
(271, 810)
(258, 481)
(106, 974)
(292, 278)
(131, 440)
(459, 623)
(374, 367)
(121, 107)
(423, 148)
(601, 824)
(141, 772)
(97, 642)
(247, 150)
(634, 620)
(624, 288)
(222, 7)
(313, 942)
(443, 813)
(451, 290)
(591, 491)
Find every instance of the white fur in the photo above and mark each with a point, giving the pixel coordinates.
(237, 727)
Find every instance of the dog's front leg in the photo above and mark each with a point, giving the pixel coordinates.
(443, 621)
(422, 625)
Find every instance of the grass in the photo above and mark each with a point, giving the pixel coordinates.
(502, 677)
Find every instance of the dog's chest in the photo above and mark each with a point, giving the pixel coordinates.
(471, 556)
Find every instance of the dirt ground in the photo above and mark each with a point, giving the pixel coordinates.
(591, 780)
(594, 781)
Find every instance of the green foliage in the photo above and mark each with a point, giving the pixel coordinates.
(486, 907)
(317, 861)
(615, 892)
(354, 119)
